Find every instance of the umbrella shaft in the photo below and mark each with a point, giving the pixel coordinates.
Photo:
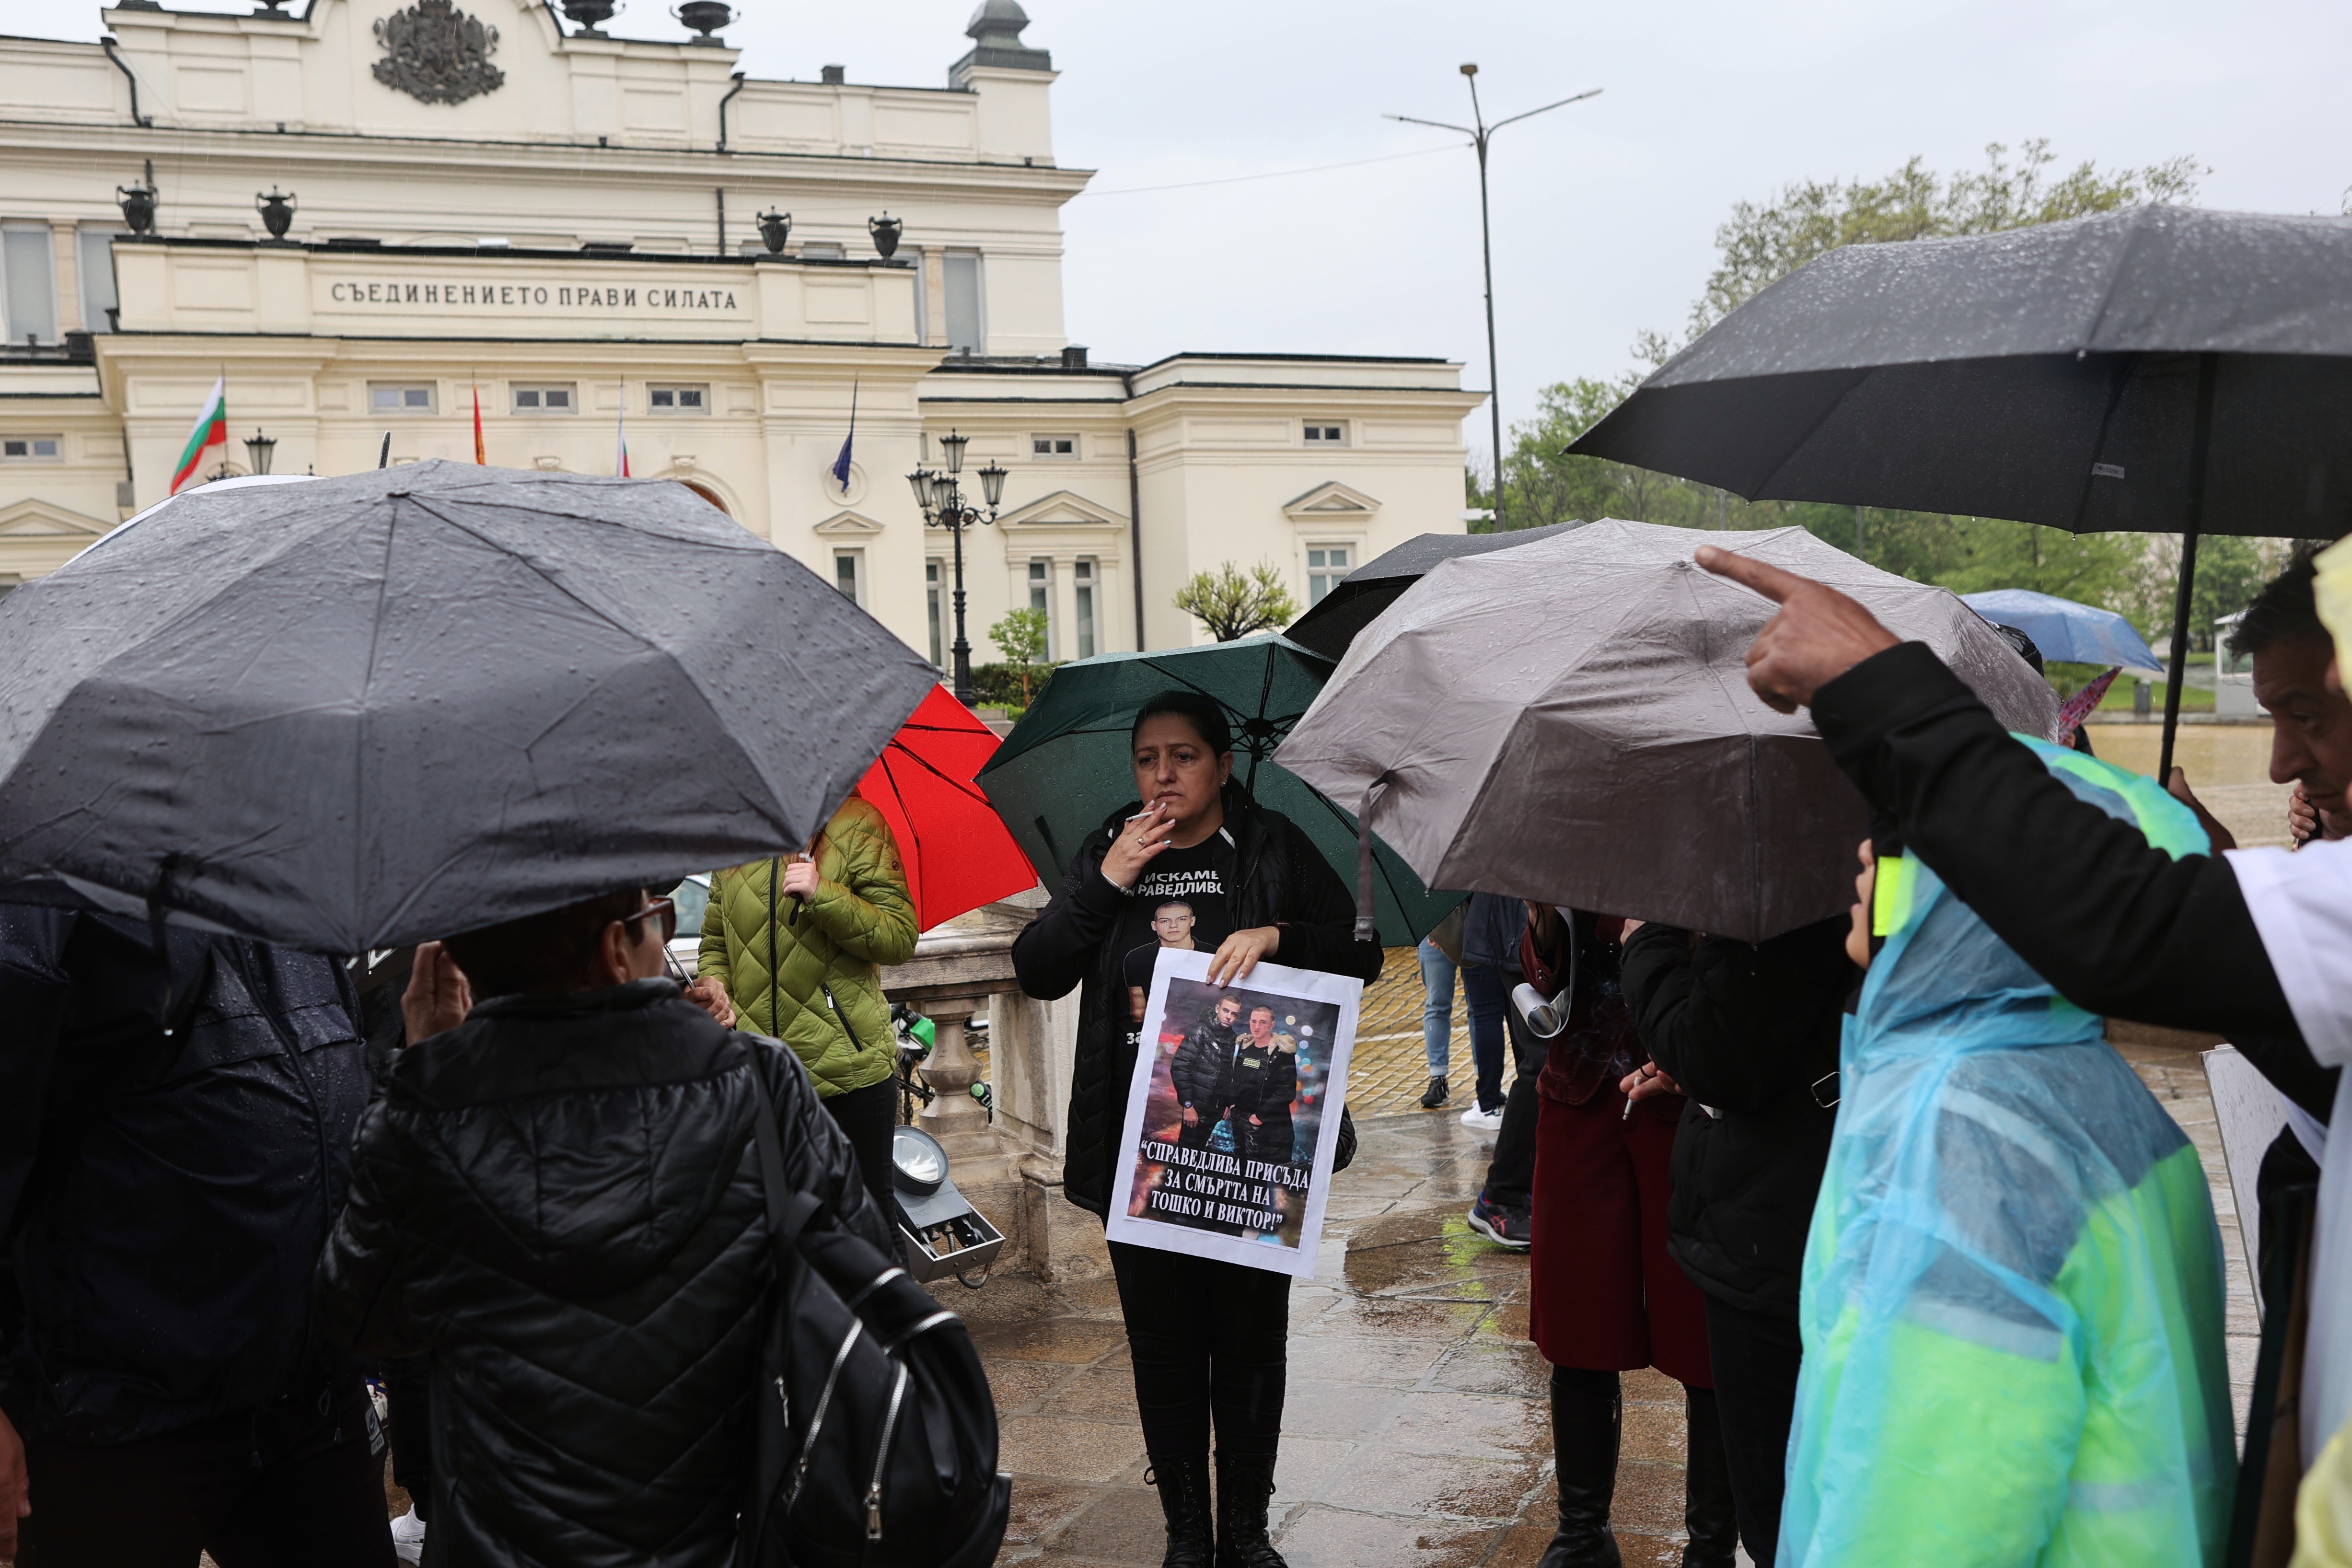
(2201, 439)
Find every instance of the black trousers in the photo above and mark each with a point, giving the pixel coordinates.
(283, 1487)
(1206, 1337)
(1511, 1174)
(866, 1117)
(1755, 1357)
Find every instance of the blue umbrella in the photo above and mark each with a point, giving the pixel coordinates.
(2062, 629)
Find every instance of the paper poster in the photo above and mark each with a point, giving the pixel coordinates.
(1234, 1113)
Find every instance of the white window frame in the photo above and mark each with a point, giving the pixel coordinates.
(951, 263)
(94, 260)
(28, 270)
(431, 404)
(32, 452)
(1041, 447)
(1333, 572)
(677, 392)
(1324, 432)
(934, 603)
(516, 391)
(1041, 596)
(1086, 602)
(854, 560)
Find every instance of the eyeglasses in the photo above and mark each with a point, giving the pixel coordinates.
(665, 908)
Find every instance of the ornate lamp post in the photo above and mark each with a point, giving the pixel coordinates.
(942, 502)
(259, 447)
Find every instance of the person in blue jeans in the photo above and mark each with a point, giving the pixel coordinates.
(1437, 973)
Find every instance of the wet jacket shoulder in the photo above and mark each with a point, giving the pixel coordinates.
(1283, 880)
(1748, 1030)
(133, 1162)
(2118, 927)
(780, 963)
(560, 1200)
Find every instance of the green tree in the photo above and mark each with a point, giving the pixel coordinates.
(1020, 636)
(1232, 605)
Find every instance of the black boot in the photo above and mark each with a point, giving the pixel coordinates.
(1184, 1483)
(1708, 1513)
(1586, 1416)
(1244, 1482)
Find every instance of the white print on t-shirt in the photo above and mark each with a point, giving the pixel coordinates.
(1179, 884)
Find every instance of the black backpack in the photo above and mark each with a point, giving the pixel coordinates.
(877, 1432)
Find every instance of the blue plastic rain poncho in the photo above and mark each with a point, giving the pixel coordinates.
(2012, 1287)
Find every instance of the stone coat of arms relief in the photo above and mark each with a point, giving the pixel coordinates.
(437, 53)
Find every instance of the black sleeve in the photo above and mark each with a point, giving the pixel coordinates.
(1737, 1026)
(1053, 953)
(33, 996)
(2118, 926)
(359, 1288)
(1319, 930)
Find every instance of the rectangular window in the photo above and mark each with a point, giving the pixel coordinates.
(678, 399)
(1324, 434)
(1326, 564)
(822, 250)
(1083, 574)
(932, 609)
(558, 398)
(849, 575)
(32, 449)
(1041, 597)
(922, 297)
(966, 330)
(94, 271)
(1053, 446)
(28, 259)
(401, 397)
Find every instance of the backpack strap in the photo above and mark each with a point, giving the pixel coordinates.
(789, 1211)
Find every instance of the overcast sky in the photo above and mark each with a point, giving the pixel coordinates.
(1604, 211)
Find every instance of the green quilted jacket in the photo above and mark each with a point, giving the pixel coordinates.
(860, 919)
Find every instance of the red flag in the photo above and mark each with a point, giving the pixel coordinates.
(478, 456)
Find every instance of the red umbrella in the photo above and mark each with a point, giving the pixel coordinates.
(957, 852)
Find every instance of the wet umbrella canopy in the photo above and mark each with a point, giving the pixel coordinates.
(1363, 594)
(2158, 369)
(358, 712)
(2062, 629)
(1571, 721)
(1068, 764)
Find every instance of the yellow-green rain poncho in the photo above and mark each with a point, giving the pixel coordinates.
(2012, 1289)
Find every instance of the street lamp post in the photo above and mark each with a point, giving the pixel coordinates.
(1480, 134)
(941, 499)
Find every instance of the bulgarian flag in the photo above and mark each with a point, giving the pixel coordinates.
(211, 430)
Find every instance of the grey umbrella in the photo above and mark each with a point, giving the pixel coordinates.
(1335, 619)
(2158, 369)
(1571, 721)
(362, 712)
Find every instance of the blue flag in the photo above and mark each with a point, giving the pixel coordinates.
(841, 464)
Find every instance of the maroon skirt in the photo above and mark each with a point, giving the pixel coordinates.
(1605, 1294)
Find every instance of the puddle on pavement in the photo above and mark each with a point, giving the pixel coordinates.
(1418, 1255)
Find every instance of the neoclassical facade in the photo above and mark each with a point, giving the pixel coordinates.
(366, 215)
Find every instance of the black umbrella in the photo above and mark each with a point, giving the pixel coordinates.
(358, 712)
(2159, 369)
(1332, 624)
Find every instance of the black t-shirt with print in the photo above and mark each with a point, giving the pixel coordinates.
(1196, 878)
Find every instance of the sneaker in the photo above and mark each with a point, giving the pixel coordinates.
(1505, 1228)
(1483, 1121)
(408, 1537)
(1434, 1095)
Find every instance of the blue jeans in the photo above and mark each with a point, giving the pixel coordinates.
(1437, 1005)
(1487, 991)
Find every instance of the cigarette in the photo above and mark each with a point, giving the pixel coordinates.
(1626, 1114)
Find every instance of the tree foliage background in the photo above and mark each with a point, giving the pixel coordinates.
(1764, 241)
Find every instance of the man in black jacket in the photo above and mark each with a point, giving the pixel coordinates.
(170, 1163)
(1750, 1033)
(1199, 1069)
(559, 1198)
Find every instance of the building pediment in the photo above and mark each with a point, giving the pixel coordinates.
(849, 525)
(1331, 501)
(1062, 509)
(47, 520)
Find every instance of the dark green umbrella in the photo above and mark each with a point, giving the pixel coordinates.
(1066, 765)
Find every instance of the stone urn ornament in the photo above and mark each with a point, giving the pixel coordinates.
(886, 231)
(774, 228)
(138, 203)
(706, 17)
(277, 212)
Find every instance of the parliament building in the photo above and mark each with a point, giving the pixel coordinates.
(364, 216)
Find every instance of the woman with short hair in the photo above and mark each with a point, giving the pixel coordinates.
(1207, 1336)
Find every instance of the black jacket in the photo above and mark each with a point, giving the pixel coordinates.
(1748, 1031)
(162, 1199)
(1199, 1064)
(560, 1201)
(2119, 927)
(1283, 881)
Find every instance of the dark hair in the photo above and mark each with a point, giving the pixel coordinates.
(553, 951)
(1205, 714)
(2284, 611)
(2026, 648)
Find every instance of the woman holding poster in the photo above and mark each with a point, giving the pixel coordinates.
(1193, 874)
